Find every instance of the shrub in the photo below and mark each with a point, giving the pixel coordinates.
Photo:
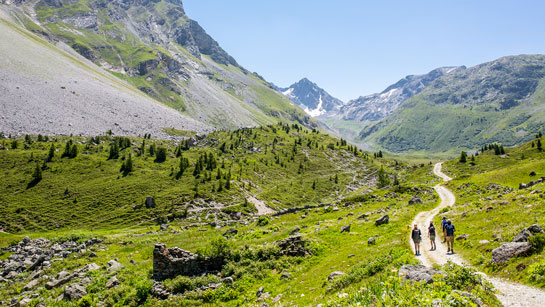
(538, 242)
(182, 284)
(537, 272)
(262, 221)
(160, 154)
(143, 290)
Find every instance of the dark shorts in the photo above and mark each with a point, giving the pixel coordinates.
(417, 240)
(432, 237)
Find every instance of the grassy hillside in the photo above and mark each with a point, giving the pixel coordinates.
(284, 166)
(491, 208)
(500, 101)
(278, 165)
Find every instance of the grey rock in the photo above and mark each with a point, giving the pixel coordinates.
(383, 220)
(510, 250)
(415, 200)
(227, 280)
(113, 266)
(462, 237)
(363, 216)
(260, 291)
(164, 227)
(31, 285)
(285, 276)
(334, 275)
(345, 228)
(371, 241)
(112, 282)
(523, 236)
(74, 292)
(295, 231)
(418, 273)
(230, 232)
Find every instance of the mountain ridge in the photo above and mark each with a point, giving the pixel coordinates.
(314, 100)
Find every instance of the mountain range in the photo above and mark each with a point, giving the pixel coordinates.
(448, 109)
(149, 49)
(311, 98)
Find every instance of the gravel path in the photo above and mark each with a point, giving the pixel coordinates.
(262, 209)
(510, 294)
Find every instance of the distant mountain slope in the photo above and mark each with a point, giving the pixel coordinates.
(311, 98)
(377, 106)
(154, 46)
(48, 90)
(499, 101)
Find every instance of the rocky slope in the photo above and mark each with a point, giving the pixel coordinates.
(311, 98)
(378, 106)
(156, 48)
(52, 90)
(499, 101)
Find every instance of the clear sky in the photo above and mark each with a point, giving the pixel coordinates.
(357, 47)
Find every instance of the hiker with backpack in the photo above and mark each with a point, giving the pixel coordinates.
(416, 235)
(449, 230)
(431, 235)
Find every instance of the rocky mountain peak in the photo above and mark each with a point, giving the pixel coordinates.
(312, 98)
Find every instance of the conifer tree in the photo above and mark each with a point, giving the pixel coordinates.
(51, 153)
(314, 185)
(114, 152)
(463, 157)
(336, 178)
(14, 144)
(539, 145)
(161, 154)
(383, 179)
(37, 175)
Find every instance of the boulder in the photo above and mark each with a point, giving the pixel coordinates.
(259, 291)
(285, 276)
(510, 250)
(74, 292)
(334, 275)
(345, 228)
(164, 227)
(383, 220)
(484, 242)
(59, 282)
(535, 229)
(522, 186)
(415, 200)
(418, 273)
(112, 282)
(293, 246)
(371, 241)
(532, 173)
(113, 266)
(523, 236)
(462, 237)
(230, 232)
(31, 285)
(294, 231)
(363, 216)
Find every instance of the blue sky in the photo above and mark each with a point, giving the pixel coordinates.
(356, 47)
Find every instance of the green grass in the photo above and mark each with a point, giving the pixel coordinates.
(484, 213)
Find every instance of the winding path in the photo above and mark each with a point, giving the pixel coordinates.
(510, 294)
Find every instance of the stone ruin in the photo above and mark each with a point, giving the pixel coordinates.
(172, 262)
(293, 245)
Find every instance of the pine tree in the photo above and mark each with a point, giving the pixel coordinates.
(114, 152)
(14, 144)
(396, 181)
(539, 145)
(51, 153)
(336, 178)
(37, 175)
(463, 157)
(383, 179)
(127, 166)
(142, 148)
(73, 151)
(228, 181)
(152, 150)
(502, 150)
(314, 185)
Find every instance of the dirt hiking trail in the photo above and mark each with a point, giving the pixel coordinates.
(510, 294)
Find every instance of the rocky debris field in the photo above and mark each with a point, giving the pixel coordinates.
(30, 259)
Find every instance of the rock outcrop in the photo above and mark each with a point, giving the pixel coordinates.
(172, 262)
(510, 250)
(418, 273)
(293, 245)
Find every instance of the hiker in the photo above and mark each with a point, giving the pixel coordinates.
(417, 238)
(449, 229)
(443, 224)
(431, 235)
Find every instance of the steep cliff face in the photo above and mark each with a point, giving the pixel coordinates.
(153, 45)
